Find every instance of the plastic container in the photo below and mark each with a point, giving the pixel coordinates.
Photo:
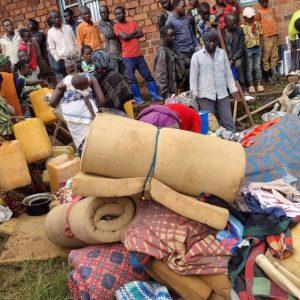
(59, 150)
(204, 121)
(34, 139)
(41, 109)
(14, 171)
(61, 169)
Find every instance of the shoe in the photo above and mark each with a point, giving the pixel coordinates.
(251, 89)
(260, 88)
(136, 93)
(274, 74)
(153, 91)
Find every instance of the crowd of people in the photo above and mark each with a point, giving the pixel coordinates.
(204, 50)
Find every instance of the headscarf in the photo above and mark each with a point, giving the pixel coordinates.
(4, 59)
(100, 59)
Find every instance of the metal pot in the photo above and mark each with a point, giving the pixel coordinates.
(38, 204)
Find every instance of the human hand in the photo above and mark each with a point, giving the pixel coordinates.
(232, 62)
(236, 96)
(44, 83)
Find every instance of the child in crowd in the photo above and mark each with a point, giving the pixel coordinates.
(86, 56)
(252, 33)
(26, 85)
(202, 19)
(220, 10)
(270, 56)
(27, 46)
(82, 84)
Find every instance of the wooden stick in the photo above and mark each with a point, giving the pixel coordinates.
(293, 278)
(258, 110)
(240, 90)
(276, 276)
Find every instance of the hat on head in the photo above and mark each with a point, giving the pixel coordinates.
(249, 12)
(4, 59)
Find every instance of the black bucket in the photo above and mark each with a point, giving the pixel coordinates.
(38, 204)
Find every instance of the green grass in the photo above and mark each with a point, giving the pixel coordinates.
(35, 280)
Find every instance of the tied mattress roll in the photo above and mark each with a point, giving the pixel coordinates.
(91, 221)
(187, 162)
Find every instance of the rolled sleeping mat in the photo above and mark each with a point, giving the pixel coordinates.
(188, 287)
(55, 223)
(186, 206)
(91, 220)
(187, 162)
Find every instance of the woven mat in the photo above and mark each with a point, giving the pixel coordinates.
(28, 241)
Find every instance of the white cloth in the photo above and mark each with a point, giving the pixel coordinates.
(61, 41)
(10, 47)
(270, 199)
(210, 77)
(76, 114)
(5, 214)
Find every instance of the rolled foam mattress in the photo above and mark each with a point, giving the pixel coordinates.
(91, 221)
(187, 162)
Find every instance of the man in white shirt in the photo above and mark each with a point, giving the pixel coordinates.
(9, 43)
(61, 42)
(211, 78)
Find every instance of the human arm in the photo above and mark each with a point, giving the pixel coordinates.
(160, 72)
(107, 31)
(80, 37)
(57, 94)
(36, 82)
(194, 74)
(229, 78)
(240, 49)
(97, 91)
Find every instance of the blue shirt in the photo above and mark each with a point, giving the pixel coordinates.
(185, 41)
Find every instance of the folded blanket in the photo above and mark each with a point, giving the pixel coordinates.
(186, 206)
(189, 163)
(98, 271)
(89, 221)
(188, 247)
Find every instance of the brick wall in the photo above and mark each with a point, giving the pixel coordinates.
(22, 10)
(144, 12)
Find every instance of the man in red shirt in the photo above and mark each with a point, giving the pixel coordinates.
(129, 35)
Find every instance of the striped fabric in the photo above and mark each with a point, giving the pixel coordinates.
(142, 290)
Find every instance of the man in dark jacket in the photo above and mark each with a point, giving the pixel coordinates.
(234, 41)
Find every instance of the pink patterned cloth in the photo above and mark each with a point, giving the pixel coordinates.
(98, 271)
(188, 247)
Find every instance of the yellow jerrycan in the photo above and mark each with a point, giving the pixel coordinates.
(41, 109)
(34, 139)
(14, 171)
(62, 168)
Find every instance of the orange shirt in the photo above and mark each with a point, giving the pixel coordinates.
(266, 17)
(88, 34)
